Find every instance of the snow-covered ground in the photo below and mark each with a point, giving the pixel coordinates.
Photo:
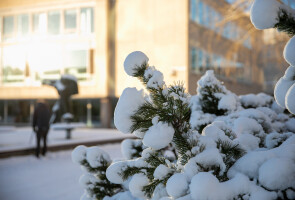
(54, 177)
(12, 138)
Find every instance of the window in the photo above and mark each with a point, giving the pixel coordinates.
(200, 18)
(13, 69)
(54, 22)
(200, 59)
(193, 10)
(8, 27)
(23, 25)
(76, 63)
(87, 23)
(70, 19)
(208, 60)
(193, 58)
(39, 23)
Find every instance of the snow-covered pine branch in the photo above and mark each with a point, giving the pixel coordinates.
(242, 149)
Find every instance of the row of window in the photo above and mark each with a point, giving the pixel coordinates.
(52, 23)
(207, 16)
(44, 61)
(202, 60)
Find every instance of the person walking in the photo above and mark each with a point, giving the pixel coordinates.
(41, 125)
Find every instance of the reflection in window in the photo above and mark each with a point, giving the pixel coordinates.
(87, 23)
(54, 22)
(13, 69)
(46, 61)
(193, 11)
(70, 19)
(23, 25)
(39, 23)
(8, 27)
(76, 63)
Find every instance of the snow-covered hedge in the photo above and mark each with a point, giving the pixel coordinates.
(211, 146)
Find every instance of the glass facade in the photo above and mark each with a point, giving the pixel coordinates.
(210, 18)
(18, 111)
(201, 60)
(50, 44)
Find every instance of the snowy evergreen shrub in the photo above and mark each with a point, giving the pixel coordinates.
(275, 14)
(243, 149)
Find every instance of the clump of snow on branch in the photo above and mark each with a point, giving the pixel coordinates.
(128, 103)
(284, 88)
(133, 61)
(158, 136)
(264, 13)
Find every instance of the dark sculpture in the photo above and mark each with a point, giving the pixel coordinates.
(66, 87)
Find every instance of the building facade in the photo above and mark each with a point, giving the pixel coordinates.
(90, 39)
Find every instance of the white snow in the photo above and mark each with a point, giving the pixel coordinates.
(127, 147)
(289, 51)
(23, 137)
(177, 185)
(290, 97)
(113, 172)
(138, 181)
(264, 13)
(79, 154)
(121, 196)
(155, 78)
(133, 61)
(161, 172)
(208, 79)
(277, 174)
(291, 125)
(228, 102)
(283, 86)
(52, 177)
(128, 103)
(211, 157)
(95, 156)
(158, 136)
(252, 100)
(205, 186)
(159, 192)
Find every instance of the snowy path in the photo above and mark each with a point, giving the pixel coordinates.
(53, 177)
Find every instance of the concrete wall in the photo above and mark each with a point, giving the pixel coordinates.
(157, 28)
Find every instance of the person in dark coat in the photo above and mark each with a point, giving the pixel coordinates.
(41, 125)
